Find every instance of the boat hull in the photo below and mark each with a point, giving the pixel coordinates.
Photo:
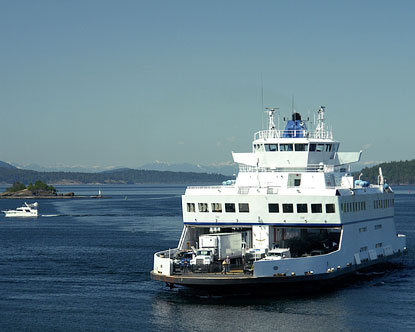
(239, 283)
(19, 215)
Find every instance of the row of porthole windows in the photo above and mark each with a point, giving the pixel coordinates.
(383, 203)
(217, 207)
(272, 207)
(353, 207)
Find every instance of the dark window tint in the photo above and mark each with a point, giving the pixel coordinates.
(316, 208)
(229, 207)
(243, 207)
(330, 208)
(301, 147)
(302, 208)
(273, 208)
(313, 147)
(287, 208)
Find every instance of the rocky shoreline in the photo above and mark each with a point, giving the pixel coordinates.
(40, 194)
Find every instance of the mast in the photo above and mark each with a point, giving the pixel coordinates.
(270, 111)
(320, 123)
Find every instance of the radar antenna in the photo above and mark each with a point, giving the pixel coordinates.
(270, 111)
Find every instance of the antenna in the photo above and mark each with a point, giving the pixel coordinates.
(262, 99)
(292, 104)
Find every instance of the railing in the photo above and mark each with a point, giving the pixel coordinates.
(216, 268)
(310, 168)
(209, 187)
(265, 134)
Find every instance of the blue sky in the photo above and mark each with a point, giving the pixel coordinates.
(129, 82)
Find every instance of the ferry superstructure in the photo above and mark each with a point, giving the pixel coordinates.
(294, 192)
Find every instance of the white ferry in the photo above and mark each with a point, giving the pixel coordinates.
(294, 214)
(27, 210)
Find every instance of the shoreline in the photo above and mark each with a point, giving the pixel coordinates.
(54, 197)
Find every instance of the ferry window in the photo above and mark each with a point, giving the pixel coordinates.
(273, 208)
(203, 207)
(378, 245)
(294, 180)
(379, 226)
(313, 147)
(362, 229)
(229, 207)
(363, 249)
(316, 208)
(328, 147)
(320, 148)
(286, 147)
(271, 147)
(287, 208)
(191, 207)
(330, 208)
(243, 207)
(216, 207)
(301, 147)
(302, 208)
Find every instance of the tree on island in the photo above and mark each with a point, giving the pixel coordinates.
(39, 186)
(17, 186)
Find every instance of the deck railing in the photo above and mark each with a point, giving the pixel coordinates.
(274, 133)
(309, 168)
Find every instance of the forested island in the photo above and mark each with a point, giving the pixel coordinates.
(34, 191)
(121, 176)
(395, 172)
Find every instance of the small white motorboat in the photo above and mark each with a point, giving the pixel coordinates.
(27, 210)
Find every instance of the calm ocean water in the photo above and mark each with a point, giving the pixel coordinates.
(84, 266)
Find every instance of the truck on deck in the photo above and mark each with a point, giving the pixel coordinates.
(216, 247)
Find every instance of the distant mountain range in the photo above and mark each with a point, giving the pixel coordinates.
(397, 172)
(226, 169)
(10, 175)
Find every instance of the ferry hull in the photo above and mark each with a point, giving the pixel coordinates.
(242, 283)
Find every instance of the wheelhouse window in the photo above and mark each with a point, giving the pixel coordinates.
(313, 147)
(230, 207)
(243, 207)
(316, 208)
(330, 208)
(287, 208)
(320, 148)
(302, 208)
(286, 147)
(273, 208)
(216, 207)
(271, 147)
(301, 147)
(203, 207)
(328, 147)
(191, 207)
